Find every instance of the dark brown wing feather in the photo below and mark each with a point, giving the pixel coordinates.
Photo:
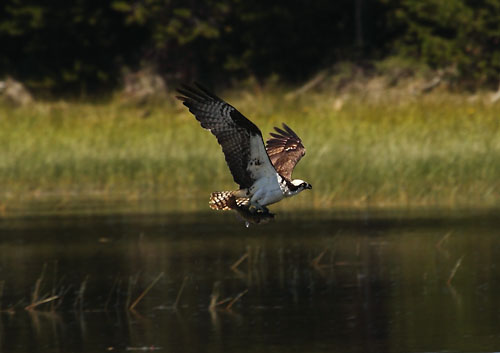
(285, 150)
(232, 129)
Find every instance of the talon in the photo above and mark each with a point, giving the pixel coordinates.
(262, 210)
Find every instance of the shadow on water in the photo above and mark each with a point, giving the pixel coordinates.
(338, 281)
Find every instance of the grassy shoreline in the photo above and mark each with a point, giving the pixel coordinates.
(435, 150)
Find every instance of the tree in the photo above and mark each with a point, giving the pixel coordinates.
(464, 34)
(60, 45)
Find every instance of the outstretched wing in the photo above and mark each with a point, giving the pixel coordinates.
(285, 150)
(240, 139)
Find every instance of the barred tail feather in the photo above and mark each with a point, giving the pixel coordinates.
(226, 200)
(219, 200)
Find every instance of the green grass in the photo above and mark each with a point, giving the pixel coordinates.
(435, 150)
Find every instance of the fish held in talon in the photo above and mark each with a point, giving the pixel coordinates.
(250, 216)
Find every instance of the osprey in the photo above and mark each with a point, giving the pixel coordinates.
(263, 172)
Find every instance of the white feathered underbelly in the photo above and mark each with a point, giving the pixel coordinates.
(267, 190)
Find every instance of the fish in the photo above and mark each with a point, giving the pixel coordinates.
(248, 215)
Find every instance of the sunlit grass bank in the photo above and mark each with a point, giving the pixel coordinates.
(434, 150)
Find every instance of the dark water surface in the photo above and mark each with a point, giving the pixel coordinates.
(328, 282)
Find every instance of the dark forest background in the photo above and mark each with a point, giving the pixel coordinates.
(85, 46)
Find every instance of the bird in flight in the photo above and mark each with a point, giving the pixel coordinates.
(263, 172)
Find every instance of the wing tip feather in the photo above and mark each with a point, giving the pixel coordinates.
(196, 92)
(289, 130)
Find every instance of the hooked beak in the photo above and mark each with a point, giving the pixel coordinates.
(309, 186)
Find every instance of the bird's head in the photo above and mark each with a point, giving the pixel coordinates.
(301, 185)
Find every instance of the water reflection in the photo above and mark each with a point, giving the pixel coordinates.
(318, 283)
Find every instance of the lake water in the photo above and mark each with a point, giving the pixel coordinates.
(338, 281)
